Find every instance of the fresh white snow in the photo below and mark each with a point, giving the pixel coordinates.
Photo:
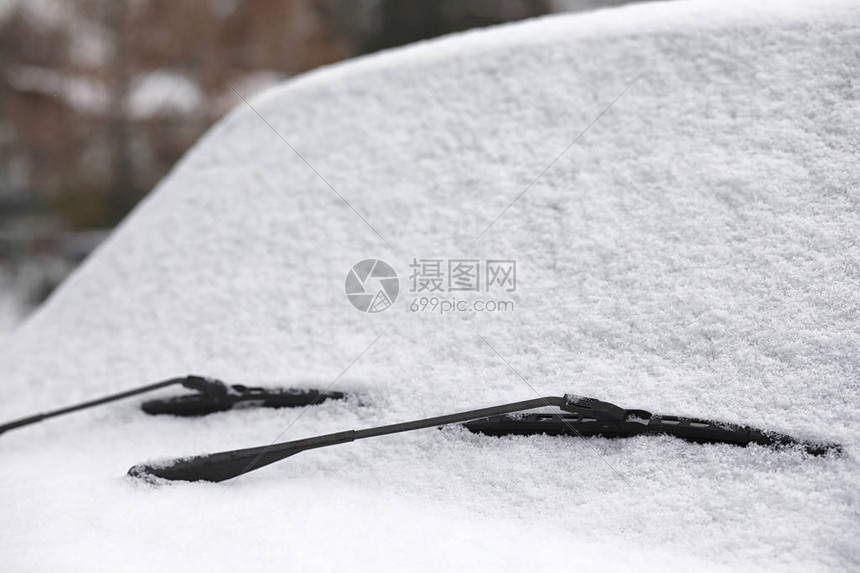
(694, 253)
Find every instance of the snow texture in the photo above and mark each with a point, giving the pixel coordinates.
(694, 253)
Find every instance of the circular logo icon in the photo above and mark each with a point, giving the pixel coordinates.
(372, 285)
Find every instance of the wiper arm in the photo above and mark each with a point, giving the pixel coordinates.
(225, 465)
(586, 416)
(210, 396)
(91, 403)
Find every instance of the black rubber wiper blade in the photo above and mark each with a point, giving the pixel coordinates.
(689, 429)
(237, 396)
(210, 395)
(586, 416)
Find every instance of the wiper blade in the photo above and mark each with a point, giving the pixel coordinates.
(235, 396)
(689, 429)
(210, 395)
(605, 417)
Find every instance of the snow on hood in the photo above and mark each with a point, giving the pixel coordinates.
(694, 253)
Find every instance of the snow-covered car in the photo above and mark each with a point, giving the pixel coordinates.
(677, 185)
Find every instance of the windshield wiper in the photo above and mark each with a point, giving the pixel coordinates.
(227, 397)
(586, 416)
(689, 429)
(210, 396)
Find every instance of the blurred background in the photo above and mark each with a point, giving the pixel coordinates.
(99, 98)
